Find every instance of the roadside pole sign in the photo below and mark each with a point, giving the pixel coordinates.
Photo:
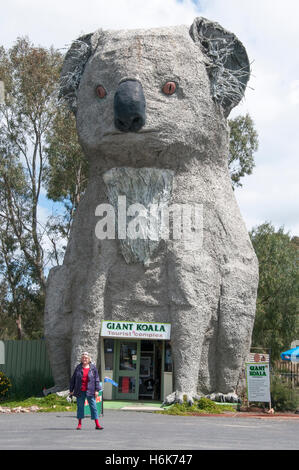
(258, 381)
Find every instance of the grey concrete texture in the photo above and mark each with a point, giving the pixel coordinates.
(208, 294)
(138, 430)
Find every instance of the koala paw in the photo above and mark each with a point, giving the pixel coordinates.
(224, 397)
(180, 397)
(61, 391)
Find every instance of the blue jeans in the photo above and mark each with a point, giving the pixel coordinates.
(92, 405)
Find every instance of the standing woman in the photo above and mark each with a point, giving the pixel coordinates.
(85, 384)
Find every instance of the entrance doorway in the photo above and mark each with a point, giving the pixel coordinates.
(127, 355)
(150, 370)
(138, 369)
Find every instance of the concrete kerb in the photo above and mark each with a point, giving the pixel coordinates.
(133, 406)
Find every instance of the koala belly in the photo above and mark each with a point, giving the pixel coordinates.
(137, 292)
(152, 292)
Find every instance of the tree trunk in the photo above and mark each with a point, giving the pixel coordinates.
(19, 327)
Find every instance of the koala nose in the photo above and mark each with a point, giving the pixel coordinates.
(129, 106)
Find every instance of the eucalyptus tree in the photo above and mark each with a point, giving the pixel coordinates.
(277, 316)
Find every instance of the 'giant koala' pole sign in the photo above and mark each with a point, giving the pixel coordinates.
(151, 108)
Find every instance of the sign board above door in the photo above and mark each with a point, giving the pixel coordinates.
(135, 330)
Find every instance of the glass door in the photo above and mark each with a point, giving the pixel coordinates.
(127, 369)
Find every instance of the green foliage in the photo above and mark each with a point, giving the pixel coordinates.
(209, 406)
(5, 385)
(204, 405)
(30, 304)
(53, 402)
(30, 75)
(283, 396)
(242, 146)
(39, 150)
(66, 172)
(276, 323)
(50, 403)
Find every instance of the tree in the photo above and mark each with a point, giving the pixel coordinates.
(66, 173)
(39, 152)
(30, 75)
(7, 323)
(276, 323)
(242, 146)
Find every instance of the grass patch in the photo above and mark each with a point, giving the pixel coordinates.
(202, 406)
(49, 403)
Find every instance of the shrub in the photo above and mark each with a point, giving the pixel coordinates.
(284, 398)
(181, 409)
(204, 405)
(208, 405)
(5, 385)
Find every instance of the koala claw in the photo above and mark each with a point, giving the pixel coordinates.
(60, 391)
(180, 397)
(224, 397)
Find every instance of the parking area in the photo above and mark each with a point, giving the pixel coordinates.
(139, 430)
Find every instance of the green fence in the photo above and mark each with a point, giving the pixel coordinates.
(27, 363)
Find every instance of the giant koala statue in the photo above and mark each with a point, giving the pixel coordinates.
(151, 108)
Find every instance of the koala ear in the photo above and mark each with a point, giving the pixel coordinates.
(72, 69)
(228, 65)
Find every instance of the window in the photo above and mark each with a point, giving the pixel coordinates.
(108, 351)
(128, 355)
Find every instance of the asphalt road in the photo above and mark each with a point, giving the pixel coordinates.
(131, 430)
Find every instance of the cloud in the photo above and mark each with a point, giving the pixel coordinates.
(59, 22)
(269, 197)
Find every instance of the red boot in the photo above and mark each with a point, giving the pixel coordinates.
(79, 424)
(98, 426)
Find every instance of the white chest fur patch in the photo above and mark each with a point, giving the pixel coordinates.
(134, 192)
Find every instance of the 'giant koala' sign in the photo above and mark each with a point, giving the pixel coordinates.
(151, 108)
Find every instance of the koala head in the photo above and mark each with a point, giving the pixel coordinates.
(148, 90)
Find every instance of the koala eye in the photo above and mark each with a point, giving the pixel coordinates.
(169, 88)
(100, 91)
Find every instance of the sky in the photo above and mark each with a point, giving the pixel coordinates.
(268, 29)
